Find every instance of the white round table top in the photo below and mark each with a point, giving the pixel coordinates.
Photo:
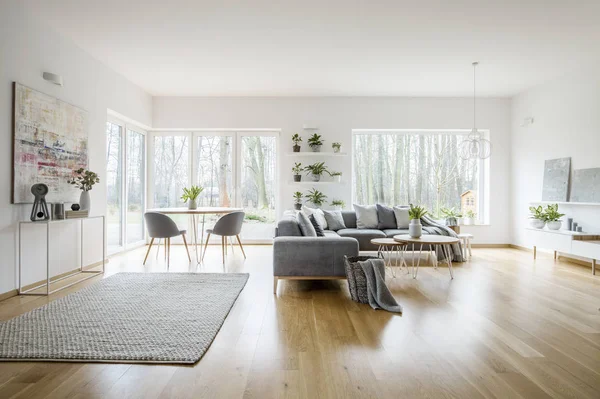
(201, 210)
(385, 241)
(427, 239)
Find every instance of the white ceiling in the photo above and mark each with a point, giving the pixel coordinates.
(332, 47)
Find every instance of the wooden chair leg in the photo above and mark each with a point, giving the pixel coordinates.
(241, 247)
(275, 280)
(148, 251)
(158, 247)
(205, 245)
(186, 247)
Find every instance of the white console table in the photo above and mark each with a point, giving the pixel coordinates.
(580, 244)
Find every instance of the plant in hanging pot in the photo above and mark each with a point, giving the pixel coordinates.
(315, 142)
(84, 180)
(337, 147)
(316, 170)
(553, 217)
(190, 195)
(338, 205)
(452, 215)
(337, 176)
(415, 213)
(298, 200)
(316, 197)
(538, 217)
(297, 170)
(469, 218)
(296, 139)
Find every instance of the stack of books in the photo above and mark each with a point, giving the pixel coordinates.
(76, 214)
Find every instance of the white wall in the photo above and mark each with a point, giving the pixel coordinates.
(28, 48)
(566, 116)
(336, 117)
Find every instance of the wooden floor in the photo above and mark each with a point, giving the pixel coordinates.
(506, 327)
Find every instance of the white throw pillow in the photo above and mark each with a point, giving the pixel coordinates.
(366, 216)
(319, 215)
(402, 219)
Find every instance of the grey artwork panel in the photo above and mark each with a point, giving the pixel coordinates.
(556, 179)
(586, 185)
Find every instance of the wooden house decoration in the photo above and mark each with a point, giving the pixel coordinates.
(468, 201)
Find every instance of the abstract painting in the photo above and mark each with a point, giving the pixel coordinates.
(50, 141)
(586, 185)
(556, 180)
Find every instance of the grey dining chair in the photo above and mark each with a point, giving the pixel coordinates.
(161, 226)
(228, 225)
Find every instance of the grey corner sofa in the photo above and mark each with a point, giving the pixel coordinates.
(296, 257)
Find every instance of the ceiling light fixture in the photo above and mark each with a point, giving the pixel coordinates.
(475, 146)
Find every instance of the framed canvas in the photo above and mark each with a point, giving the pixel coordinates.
(556, 180)
(50, 140)
(586, 185)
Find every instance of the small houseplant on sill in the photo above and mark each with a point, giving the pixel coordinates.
(415, 213)
(552, 217)
(316, 170)
(84, 180)
(538, 217)
(190, 195)
(298, 200)
(338, 205)
(337, 176)
(469, 218)
(296, 139)
(315, 142)
(451, 215)
(336, 147)
(316, 197)
(297, 170)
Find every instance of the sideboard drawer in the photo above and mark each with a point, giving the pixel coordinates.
(588, 249)
(548, 240)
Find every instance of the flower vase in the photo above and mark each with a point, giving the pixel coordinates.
(192, 204)
(84, 201)
(415, 229)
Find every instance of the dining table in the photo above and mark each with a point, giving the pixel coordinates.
(195, 215)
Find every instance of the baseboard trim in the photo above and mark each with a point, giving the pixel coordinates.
(490, 245)
(8, 294)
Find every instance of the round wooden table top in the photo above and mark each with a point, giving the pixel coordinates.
(385, 241)
(427, 239)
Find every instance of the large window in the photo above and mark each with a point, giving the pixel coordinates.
(114, 186)
(419, 167)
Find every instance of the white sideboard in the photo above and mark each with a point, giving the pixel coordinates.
(580, 244)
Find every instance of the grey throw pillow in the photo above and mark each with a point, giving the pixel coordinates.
(366, 216)
(318, 215)
(402, 219)
(386, 218)
(306, 227)
(316, 225)
(335, 220)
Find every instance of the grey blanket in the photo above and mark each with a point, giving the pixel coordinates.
(380, 296)
(433, 227)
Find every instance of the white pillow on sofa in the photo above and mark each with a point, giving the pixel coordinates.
(319, 215)
(366, 216)
(402, 219)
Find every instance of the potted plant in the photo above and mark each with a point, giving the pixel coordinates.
(415, 213)
(298, 200)
(315, 142)
(552, 217)
(296, 139)
(451, 215)
(316, 197)
(297, 170)
(190, 195)
(469, 218)
(338, 204)
(337, 176)
(538, 217)
(336, 147)
(316, 170)
(84, 180)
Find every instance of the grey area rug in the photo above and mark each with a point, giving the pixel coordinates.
(128, 317)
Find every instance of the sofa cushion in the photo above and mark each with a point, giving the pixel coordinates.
(364, 236)
(316, 225)
(402, 219)
(335, 220)
(366, 216)
(318, 215)
(349, 219)
(329, 233)
(306, 226)
(385, 217)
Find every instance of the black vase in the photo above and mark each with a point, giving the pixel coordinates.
(296, 148)
(297, 207)
(297, 178)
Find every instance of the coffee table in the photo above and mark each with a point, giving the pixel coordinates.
(387, 246)
(432, 240)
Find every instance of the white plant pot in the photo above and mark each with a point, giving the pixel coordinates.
(315, 177)
(192, 204)
(537, 223)
(415, 229)
(336, 208)
(556, 225)
(315, 148)
(467, 221)
(85, 202)
(337, 149)
(337, 179)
